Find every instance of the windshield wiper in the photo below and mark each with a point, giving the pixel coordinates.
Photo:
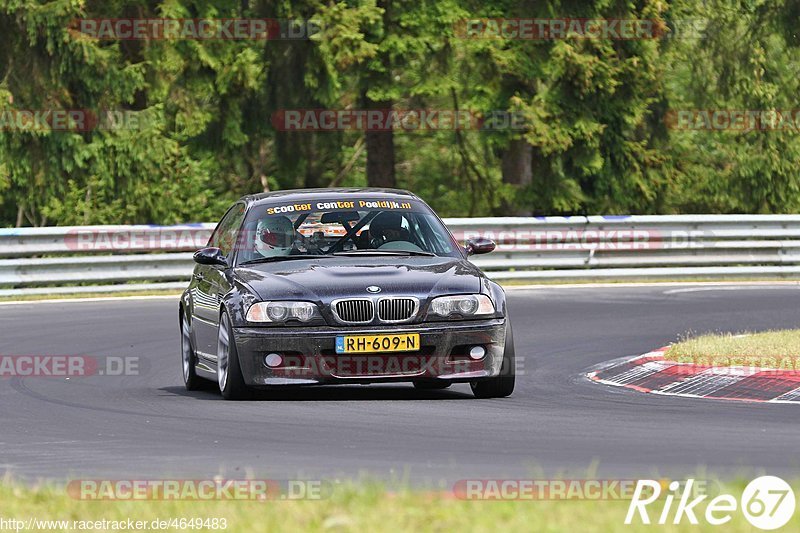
(278, 258)
(386, 252)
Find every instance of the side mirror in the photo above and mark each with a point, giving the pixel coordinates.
(210, 256)
(479, 246)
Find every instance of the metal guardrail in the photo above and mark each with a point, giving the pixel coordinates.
(106, 258)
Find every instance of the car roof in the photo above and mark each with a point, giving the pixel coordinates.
(332, 193)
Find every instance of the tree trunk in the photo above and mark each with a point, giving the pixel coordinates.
(517, 171)
(380, 144)
(380, 151)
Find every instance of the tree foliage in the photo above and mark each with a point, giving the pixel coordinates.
(595, 136)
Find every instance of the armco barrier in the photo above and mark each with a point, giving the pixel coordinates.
(103, 258)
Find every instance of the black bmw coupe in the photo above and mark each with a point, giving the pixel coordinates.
(332, 286)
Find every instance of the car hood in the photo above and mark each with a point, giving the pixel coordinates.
(324, 280)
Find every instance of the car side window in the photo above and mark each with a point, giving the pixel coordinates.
(224, 236)
(434, 240)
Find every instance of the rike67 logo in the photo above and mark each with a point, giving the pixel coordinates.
(767, 502)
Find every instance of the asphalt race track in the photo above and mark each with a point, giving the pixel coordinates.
(556, 423)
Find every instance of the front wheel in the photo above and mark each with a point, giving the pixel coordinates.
(229, 373)
(188, 358)
(502, 385)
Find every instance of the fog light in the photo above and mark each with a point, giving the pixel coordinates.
(272, 360)
(477, 352)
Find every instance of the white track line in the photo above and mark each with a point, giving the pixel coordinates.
(727, 288)
(686, 285)
(175, 297)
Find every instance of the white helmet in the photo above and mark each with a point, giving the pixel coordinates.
(274, 236)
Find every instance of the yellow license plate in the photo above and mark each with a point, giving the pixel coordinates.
(402, 342)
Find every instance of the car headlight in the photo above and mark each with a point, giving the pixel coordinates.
(282, 312)
(466, 305)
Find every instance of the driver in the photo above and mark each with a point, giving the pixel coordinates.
(274, 236)
(387, 227)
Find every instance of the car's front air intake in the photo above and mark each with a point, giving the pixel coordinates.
(397, 309)
(355, 311)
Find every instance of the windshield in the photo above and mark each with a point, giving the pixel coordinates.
(371, 227)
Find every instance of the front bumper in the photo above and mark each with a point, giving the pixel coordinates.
(309, 354)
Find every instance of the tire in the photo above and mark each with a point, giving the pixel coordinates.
(431, 385)
(191, 380)
(229, 372)
(502, 385)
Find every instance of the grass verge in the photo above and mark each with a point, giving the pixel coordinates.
(770, 349)
(58, 296)
(362, 508)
